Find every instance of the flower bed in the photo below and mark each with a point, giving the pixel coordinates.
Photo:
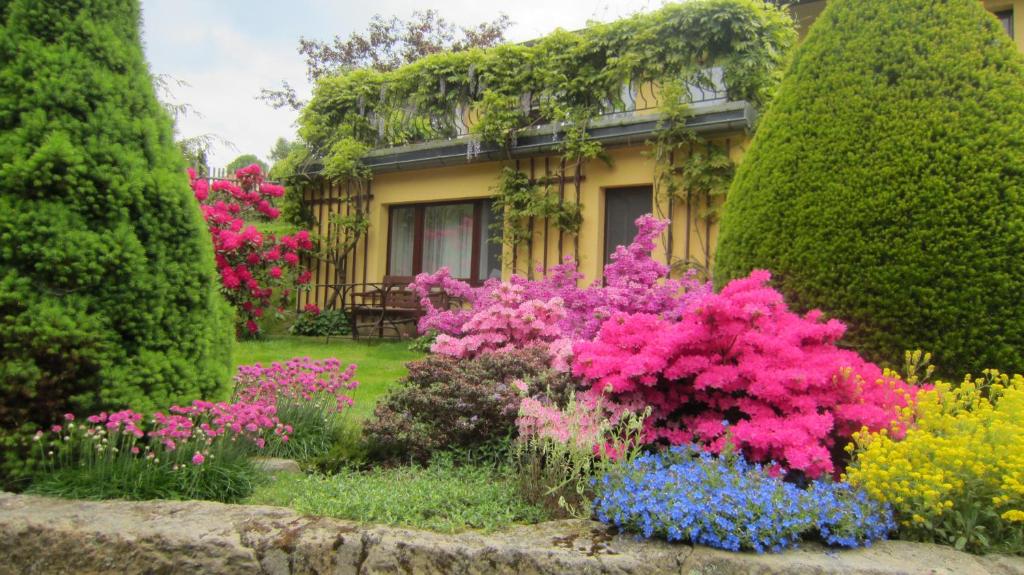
(197, 451)
(657, 405)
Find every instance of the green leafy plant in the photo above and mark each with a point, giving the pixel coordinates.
(322, 323)
(450, 403)
(557, 461)
(108, 294)
(441, 496)
(883, 187)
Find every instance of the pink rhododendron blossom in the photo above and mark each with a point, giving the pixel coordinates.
(245, 257)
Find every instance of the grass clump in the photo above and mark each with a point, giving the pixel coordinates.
(441, 496)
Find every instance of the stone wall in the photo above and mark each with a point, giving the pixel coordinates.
(42, 535)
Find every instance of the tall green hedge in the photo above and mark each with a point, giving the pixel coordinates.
(884, 185)
(108, 294)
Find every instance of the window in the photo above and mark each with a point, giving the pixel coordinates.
(1006, 19)
(622, 206)
(427, 237)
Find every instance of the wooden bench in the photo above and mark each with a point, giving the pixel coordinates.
(390, 308)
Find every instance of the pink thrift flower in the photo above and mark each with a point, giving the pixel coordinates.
(198, 459)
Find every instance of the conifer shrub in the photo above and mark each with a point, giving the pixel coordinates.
(884, 185)
(108, 296)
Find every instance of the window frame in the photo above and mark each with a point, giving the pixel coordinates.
(1006, 19)
(604, 225)
(419, 216)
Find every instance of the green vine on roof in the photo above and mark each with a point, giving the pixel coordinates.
(585, 70)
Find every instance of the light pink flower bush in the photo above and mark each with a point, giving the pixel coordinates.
(581, 425)
(555, 311)
(739, 366)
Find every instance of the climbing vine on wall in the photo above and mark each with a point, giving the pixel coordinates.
(690, 171)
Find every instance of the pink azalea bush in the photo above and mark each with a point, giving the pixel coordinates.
(554, 311)
(253, 268)
(735, 366)
(739, 367)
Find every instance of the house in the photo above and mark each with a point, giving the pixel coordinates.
(427, 194)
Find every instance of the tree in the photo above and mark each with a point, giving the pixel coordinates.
(387, 44)
(280, 151)
(885, 183)
(245, 160)
(108, 295)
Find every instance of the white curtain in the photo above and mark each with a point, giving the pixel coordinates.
(403, 229)
(448, 239)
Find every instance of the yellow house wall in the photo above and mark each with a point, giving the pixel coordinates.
(692, 229)
(630, 167)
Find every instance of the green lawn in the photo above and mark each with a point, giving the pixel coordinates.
(381, 363)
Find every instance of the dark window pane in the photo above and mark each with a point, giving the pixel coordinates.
(621, 209)
(490, 243)
(448, 239)
(402, 241)
(1006, 17)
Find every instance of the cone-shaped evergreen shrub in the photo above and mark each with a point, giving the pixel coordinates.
(108, 295)
(884, 185)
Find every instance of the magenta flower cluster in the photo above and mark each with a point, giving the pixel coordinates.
(300, 379)
(739, 367)
(195, 433)
(253, 267)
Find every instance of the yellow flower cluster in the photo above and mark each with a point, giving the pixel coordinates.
(955, 460)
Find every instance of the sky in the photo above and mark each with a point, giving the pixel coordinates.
(225, 51)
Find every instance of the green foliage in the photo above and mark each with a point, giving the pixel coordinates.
(567, 73)
(243, 161)
(108, 296)
(518, 200)
(326, 322)
(282, 147)
(291, 170)
(885, 183)
(72, 464)
(442, 496)
(229, 481)
(500, 118)
(423, 343)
